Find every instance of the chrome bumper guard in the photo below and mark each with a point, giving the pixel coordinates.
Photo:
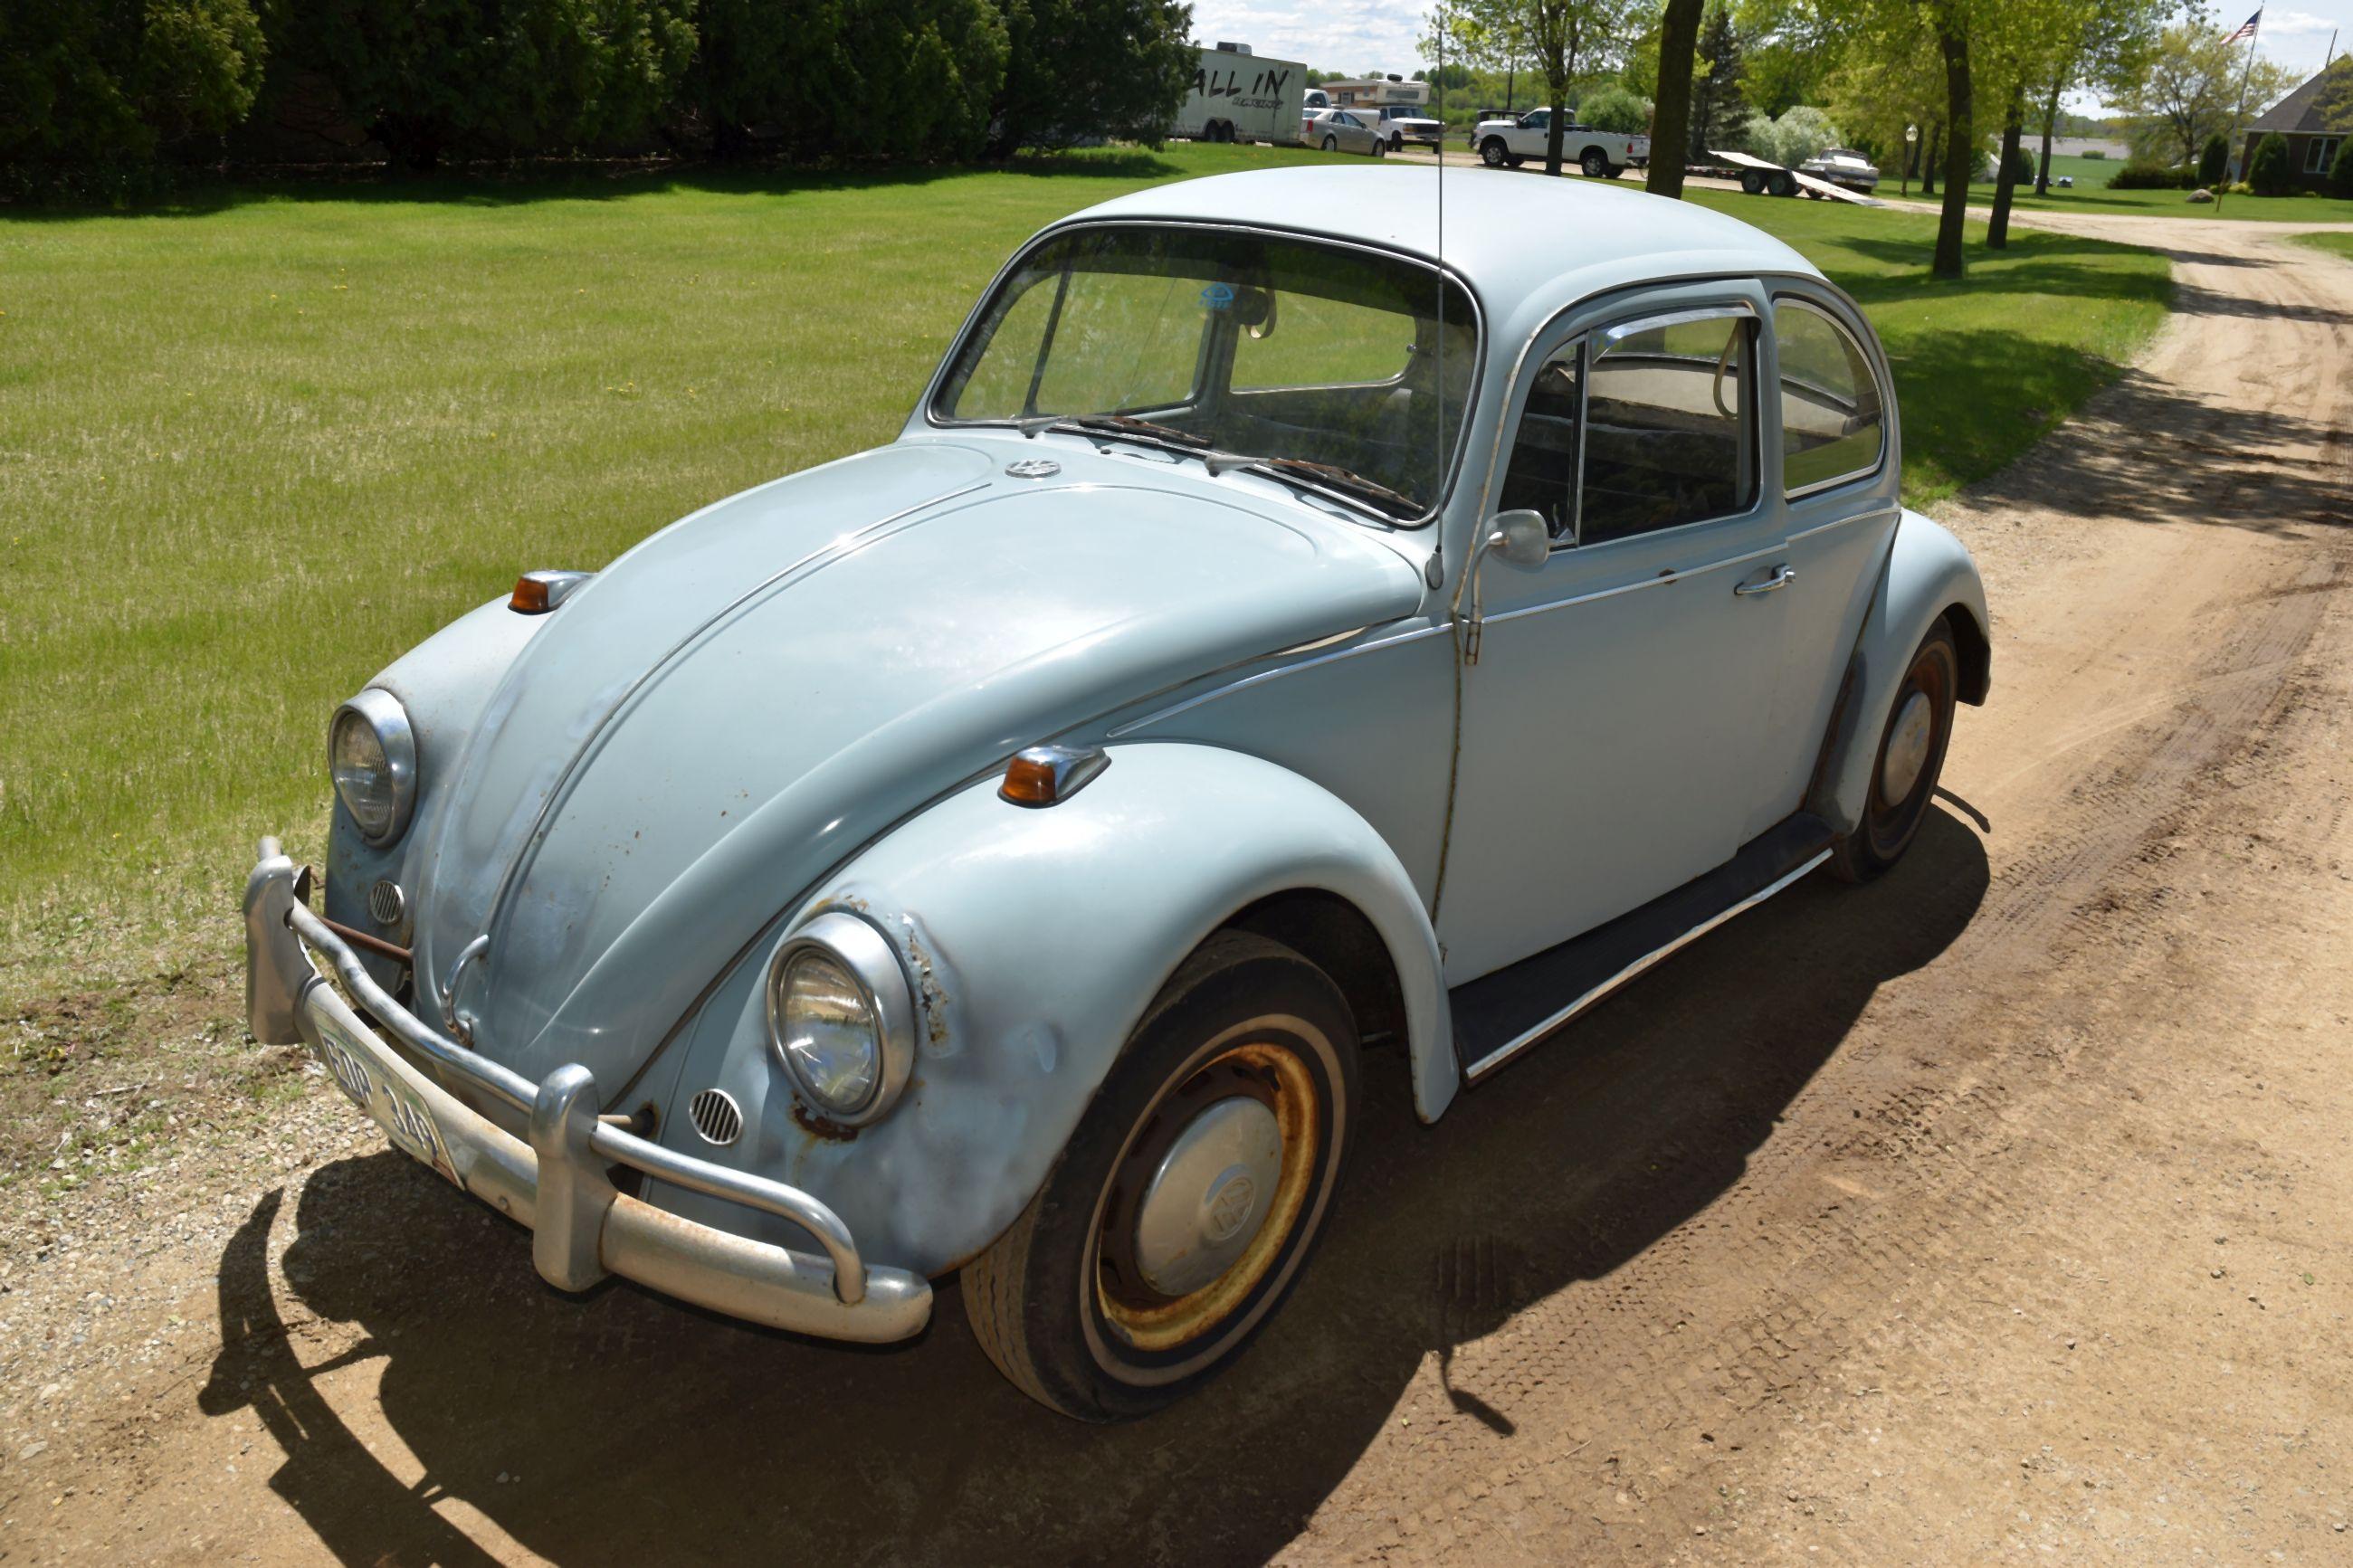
(583, 1227)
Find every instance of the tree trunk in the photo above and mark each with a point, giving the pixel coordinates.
(1555, 130)
(1929, 158)
(1960, 152)
(2005, 179)
(2050, 122)
(1671, 121)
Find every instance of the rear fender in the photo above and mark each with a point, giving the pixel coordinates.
(1036, 939)
(1928, 574)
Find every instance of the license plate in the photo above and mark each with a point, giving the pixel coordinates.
(393, 1106)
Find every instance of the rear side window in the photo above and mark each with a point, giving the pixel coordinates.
(1833, 427)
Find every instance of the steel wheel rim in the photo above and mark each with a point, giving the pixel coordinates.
(1893, 818)
(1158, 1325)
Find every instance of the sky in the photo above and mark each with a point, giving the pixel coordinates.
(1360, 34)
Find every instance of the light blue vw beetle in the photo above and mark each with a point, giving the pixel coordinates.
(1282, 645)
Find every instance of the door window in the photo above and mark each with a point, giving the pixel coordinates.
(1669, 433)
(1833, 423)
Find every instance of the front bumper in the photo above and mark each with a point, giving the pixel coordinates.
(415, 1086)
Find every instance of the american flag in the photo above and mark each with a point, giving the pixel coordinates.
(2248, 31)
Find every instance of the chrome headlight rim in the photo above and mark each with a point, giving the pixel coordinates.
(867, 957)
(382, 713)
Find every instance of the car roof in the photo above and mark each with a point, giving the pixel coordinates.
(1519, 239)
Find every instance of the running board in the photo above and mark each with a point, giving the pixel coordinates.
(1498, 1016)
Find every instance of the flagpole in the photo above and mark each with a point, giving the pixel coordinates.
(2238, 127)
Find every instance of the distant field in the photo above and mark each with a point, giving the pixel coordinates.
(252, 448)
(2092, 194)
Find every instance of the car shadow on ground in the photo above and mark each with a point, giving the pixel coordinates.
(622, 1426)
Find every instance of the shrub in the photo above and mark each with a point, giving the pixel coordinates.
(101, 89)
(1612, 108)
(2340, 172)
(2214, 160)
(1790, 141)
(2138, 175)
(2270, 173)
(2101, 153)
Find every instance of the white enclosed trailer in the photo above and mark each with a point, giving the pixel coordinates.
(1242, 97)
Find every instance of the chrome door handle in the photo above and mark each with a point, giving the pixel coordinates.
(1782, 577)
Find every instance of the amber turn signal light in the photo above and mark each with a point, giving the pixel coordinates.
(536, 593)
(1044, 775)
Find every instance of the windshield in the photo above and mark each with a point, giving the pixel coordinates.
(1277, 348)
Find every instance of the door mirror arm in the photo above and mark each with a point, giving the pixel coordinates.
(1522, 538)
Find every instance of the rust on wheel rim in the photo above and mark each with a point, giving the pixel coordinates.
(1222, 1099)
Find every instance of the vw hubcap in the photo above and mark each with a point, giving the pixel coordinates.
(1209, 1198)
(1907, 747)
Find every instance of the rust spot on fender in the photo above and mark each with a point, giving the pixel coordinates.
(817, 1126)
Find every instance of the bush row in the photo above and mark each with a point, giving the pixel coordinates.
(92, 90)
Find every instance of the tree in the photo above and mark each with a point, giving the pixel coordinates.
(2107, 51)
(1612, 107)
(2214, 160)
(1790, 47)
(1717, 107)
(1076, 68)
(493, 77)
(1671, 132)
(2269, 172)
(1561, 34)
(2192, 89)
(1790, 141)
(107, 83)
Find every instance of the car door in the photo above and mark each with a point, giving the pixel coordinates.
(1612, 726)
(1829, 417)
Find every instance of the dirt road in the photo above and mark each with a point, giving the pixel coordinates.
(2003, 1209)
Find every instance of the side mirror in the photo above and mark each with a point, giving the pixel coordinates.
(1521, 537)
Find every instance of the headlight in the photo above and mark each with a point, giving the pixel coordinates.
(372, 752)
(841, 1019)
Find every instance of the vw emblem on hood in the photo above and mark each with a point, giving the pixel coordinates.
(1034, 469)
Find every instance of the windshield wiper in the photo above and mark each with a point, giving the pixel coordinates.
(1330, 474)
(1110, 425)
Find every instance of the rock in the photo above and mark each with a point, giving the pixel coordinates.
(2201, 196)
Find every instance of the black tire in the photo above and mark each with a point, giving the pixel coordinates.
(1813, 195)
(1595, 162)
(1331, 144)
(1782, 182)
(1380, 148)
(1889, 825)
(1492, 152)
(1752, 181)
(1515, 161)
(1059, 1302)
(1396, 143)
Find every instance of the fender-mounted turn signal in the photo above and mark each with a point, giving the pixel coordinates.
(1047, 775)
(536, 593)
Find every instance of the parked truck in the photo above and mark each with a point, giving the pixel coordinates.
(1242, 97)
(1602, 154)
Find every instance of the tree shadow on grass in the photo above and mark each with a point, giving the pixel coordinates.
(521, 185)
(621, 1426)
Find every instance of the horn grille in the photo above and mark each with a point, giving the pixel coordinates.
(716, 1116)
(386, 902)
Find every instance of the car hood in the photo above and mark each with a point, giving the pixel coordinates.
(728, 710)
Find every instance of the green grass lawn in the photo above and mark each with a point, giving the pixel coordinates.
(252, 448)
(2336, 244)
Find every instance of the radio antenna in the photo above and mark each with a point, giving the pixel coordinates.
(1436, 571)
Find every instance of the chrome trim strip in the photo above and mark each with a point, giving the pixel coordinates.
(1619, 331)
(1873, 515)
(1742, 560)
(835, 548)
(1504, 1053)
(1398, 640)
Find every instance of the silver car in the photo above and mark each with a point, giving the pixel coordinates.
(1843, 167)
(1271, 657)
(1345, 130)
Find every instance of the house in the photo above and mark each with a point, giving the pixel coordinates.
(2316, 118)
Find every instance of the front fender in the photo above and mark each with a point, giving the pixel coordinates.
(1037, 938)
(1928, 572)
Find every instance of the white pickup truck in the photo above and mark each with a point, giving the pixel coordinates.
(1602, 154)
